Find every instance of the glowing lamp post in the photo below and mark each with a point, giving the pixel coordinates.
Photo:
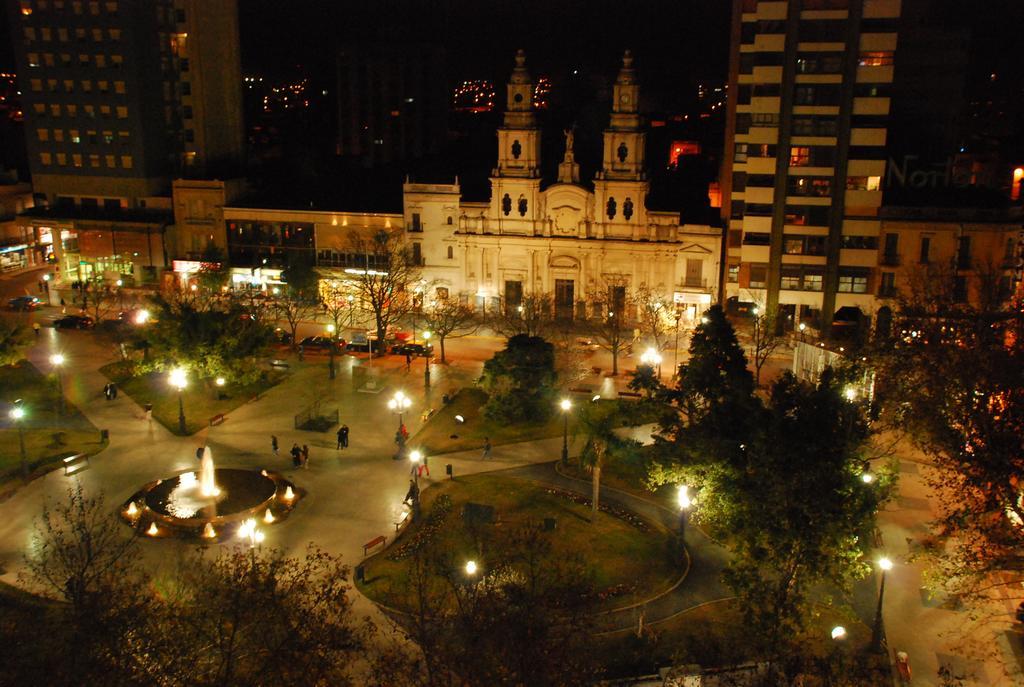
(652, 359)
(471, 568)
(426, 359)
(18, 415)
(179, 380)
(57, 360)
(416, 458)
(885, 565)
(330, 349)
(685, 503)
(565, 405)
(838, 633)
(399, 404)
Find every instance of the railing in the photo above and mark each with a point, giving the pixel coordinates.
(694, 283)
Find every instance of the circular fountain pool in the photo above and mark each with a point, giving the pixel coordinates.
(241, 492)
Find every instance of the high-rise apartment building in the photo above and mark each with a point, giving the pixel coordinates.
(809, 98)
(121, 95)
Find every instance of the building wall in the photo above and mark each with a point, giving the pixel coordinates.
(968, 256)
(113, 106)
(199, 215)
(807, 121)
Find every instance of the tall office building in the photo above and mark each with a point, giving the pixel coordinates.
(121, 95)
(809, 97)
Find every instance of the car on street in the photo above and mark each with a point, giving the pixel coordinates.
(24, 303)
(321, 344)
(74, 322)
(413, 348)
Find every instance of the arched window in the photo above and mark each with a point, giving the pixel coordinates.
(506, 204)
(611, 208)
(451, 253)
(449, 220)
(623, 152)
(522, 206)
(627, 208)
(517, 149)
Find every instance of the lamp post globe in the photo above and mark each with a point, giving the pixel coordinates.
(565, 404)
(178, 378)
(17, 415)
(57, 360)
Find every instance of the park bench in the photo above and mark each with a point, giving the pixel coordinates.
(629, 394)
(596, 370)
(74, 463)
(279, 363)
(382, 540)
(402, 520)
(217, 419)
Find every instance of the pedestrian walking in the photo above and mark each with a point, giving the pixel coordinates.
(296, 455)
(424, 467)
(408, 360)
(106, 391)
(149, 413)
(340, 434)
(35, 328)
(273, 444)
(63, 307)
(487, 448)
(305, 456)
(113, 391)
(344, 436)
(413, 494)
(199, 453)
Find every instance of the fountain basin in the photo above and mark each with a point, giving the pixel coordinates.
(178, 507)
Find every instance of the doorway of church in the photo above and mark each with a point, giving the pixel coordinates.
(564, 299)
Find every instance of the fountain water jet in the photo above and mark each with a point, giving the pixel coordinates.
(209, 532)
(207, 485)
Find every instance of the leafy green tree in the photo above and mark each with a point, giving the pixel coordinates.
(597, 422)
(14, 340)
(533, 315)
(214, 340)
(793, 509)
(213, 275)
(953, 377)
(520, 381)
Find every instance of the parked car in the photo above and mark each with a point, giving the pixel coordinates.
(74, 322)
(24, 303)
(281, 337)
(414, 349)
(364, 347)
(321, 344)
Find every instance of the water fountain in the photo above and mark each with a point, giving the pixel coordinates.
(193, 503)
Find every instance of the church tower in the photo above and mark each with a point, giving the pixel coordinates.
(621, 185)
(515, 182)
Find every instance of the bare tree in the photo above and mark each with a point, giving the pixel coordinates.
(533, 315)
(383, 283)
(656, 316)
(339, 302)
(609, 324)
(449, 318)
(765, 338)
(98, 299)
(293, 309)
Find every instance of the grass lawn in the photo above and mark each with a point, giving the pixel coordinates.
(200, 401)
(435, 437)
(620, 555)
(626, 475)
(48, 434)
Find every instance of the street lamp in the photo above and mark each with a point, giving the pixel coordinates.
(178, 380)
(415, 457)
(652, 358)
(885, 565)
(57, 360)
(838, 633)
(471, 568)
(426, 359)
(18, 414)
(399, 404)
(565, 405)
(685, 502)
(330, 349)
